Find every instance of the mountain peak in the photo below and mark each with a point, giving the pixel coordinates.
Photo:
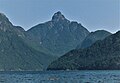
(5, 24)
(58, 16)
(3, 18)
(2, 15)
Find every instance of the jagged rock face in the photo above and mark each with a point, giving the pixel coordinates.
(57, 17)
(104, 54)
(5, 24)
(58, 35)
(93, 37)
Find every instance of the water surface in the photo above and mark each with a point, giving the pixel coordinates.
(102, 76)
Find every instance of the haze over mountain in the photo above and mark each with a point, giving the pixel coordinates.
(103, 54)
(93, 37)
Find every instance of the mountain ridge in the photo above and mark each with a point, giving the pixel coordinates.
(102, 55)
(93, 37)
(16, 52)
(59, 35)
(37, 47)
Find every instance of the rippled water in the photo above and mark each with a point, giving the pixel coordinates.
(61, 77)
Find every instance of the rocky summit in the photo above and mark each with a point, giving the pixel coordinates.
(59, 35)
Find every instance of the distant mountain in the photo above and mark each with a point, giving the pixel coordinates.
(58, 36)
(15, 52)
(93, 37)
(36, 48)
(103, 54)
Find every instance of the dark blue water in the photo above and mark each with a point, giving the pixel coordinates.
(61, 77)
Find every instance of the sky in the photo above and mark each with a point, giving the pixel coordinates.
(92, 14)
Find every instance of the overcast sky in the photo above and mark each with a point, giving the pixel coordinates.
(93, 14)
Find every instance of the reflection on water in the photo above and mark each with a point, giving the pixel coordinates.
(61, 77)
